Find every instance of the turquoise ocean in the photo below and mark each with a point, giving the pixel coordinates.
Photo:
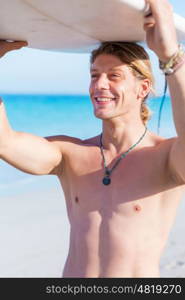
(46, 115)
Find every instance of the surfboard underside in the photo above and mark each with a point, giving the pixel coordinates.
(75, 25)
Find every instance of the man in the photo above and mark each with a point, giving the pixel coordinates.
(122, 188)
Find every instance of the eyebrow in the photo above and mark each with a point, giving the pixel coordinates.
(116, 69)
(93, 70)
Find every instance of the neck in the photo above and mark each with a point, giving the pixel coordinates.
(118, 136)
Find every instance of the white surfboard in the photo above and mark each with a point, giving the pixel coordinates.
(75, 25)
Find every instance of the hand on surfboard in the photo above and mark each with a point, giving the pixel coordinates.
(6, 46)
(160, 30)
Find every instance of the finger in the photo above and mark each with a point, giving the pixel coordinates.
(152, 6)
(159, 8)
(10, 46)
(18, 44)
(148, 26)
(23, 43)
(149, 19)
(148, 14)
(149, 22)
(147, 10)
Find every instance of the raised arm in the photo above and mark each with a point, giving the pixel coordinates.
(26, 152)
(162, 39)
(29, 153)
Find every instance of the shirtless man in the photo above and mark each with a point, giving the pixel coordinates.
(118, 228)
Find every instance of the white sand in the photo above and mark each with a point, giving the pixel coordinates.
(34, 234)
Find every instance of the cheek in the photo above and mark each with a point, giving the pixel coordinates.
(121, 91)
(128, 94)
(90, 88)
(131, 90)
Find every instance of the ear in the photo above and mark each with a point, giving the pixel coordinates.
(144, 88)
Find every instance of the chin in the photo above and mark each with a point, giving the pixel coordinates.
(103, 116)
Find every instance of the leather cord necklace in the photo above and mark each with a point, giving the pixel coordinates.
(107, 172)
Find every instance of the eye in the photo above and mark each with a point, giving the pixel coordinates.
(116, 75)
(94, 75)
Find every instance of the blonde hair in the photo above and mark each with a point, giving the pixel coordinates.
(136, 58)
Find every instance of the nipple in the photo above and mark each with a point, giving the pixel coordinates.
(76, 199)
(137, 208)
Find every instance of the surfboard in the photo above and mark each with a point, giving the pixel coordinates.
(75, 25)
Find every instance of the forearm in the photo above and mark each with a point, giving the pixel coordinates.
(162, 39)
(176, 83)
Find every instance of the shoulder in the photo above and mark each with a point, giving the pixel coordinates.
(158, 150)
(161, 148)
(163, 156)
(161, 143)
(73, 149)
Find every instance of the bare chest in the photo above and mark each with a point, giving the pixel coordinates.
(135, 181)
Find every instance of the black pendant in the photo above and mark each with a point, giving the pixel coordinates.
(106, 180)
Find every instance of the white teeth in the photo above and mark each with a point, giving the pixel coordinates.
(104, 99)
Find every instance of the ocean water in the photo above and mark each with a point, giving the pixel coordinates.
(46, 115)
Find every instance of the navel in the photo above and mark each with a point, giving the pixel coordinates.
(137, 207)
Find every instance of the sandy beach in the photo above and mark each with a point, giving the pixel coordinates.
(34, 234)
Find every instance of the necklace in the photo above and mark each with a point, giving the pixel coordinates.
(107, 172)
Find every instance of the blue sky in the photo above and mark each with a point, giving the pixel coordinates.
(38, 71)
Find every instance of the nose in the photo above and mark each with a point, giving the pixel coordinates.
(102, 82)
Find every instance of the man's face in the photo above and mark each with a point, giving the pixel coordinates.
(113, 87)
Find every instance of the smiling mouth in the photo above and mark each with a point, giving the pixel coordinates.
(103, 99)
